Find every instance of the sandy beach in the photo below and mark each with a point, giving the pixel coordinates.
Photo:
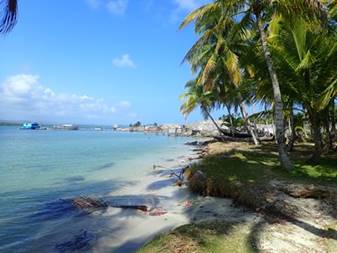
(171, 206)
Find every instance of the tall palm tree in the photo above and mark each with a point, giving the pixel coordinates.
(305, 54)
(8, 15)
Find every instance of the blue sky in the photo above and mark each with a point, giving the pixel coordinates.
(96, 61)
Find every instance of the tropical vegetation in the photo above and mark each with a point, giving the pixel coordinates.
(277, 53)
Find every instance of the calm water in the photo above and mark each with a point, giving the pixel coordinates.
(41, 170)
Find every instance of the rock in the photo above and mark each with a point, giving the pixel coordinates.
(192, 143)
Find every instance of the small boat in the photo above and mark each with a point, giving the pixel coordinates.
(30, 126)
(66, 127)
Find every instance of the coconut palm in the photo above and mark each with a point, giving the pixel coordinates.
(194, 97)
(305, 54)
(8, 15)
(214, 56)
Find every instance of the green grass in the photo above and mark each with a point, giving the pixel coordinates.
(244, 175)
(260, 164)
(205, 237)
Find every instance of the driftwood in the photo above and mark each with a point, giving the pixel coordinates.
(90, 203)
(87, 203)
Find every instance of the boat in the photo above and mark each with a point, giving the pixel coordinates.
(66, 127)
(30, 126)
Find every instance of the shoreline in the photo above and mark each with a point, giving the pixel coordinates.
(177, 206)
(158, 189)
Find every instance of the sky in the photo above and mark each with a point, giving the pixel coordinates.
(96, 61)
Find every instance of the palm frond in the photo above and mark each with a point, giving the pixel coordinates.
(198, 13)
(8, 15)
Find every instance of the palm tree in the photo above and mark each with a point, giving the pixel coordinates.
(218, 64)
(304, 56)
(195, 96)
(8, 15)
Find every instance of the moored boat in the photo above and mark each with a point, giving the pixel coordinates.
(30, 126)
(66, 127)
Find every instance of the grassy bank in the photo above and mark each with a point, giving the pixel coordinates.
(246, 174)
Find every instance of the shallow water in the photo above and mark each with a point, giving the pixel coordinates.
(41, 170)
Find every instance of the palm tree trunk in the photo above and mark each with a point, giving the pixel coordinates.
(317, 137)
(214, 122)
(278, 113)
(292, 129)
(333, 124)
(248, 123)
(230, 119)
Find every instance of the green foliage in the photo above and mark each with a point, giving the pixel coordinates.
(231, 65)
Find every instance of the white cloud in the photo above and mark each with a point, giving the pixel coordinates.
(117, 7)
(23, 97)
(123, 61)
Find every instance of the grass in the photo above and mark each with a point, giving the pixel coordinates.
(243, 173)
(205, 237)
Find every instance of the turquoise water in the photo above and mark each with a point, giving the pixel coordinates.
(41, 170)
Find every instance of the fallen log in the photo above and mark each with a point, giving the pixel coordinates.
(87, 203)
(90, 203)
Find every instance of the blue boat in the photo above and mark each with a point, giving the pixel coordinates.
(30, 126)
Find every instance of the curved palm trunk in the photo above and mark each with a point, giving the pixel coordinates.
(230, 120)
(213, 120)
(278, 113)
(248, 123)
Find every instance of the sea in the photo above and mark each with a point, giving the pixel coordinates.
(42, 171)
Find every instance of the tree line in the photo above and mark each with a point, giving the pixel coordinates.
(279, 53)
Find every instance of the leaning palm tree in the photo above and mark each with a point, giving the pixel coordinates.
(214, 57)
(8, 15)
(194, 97)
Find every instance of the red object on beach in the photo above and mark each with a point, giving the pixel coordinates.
(157, 212)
